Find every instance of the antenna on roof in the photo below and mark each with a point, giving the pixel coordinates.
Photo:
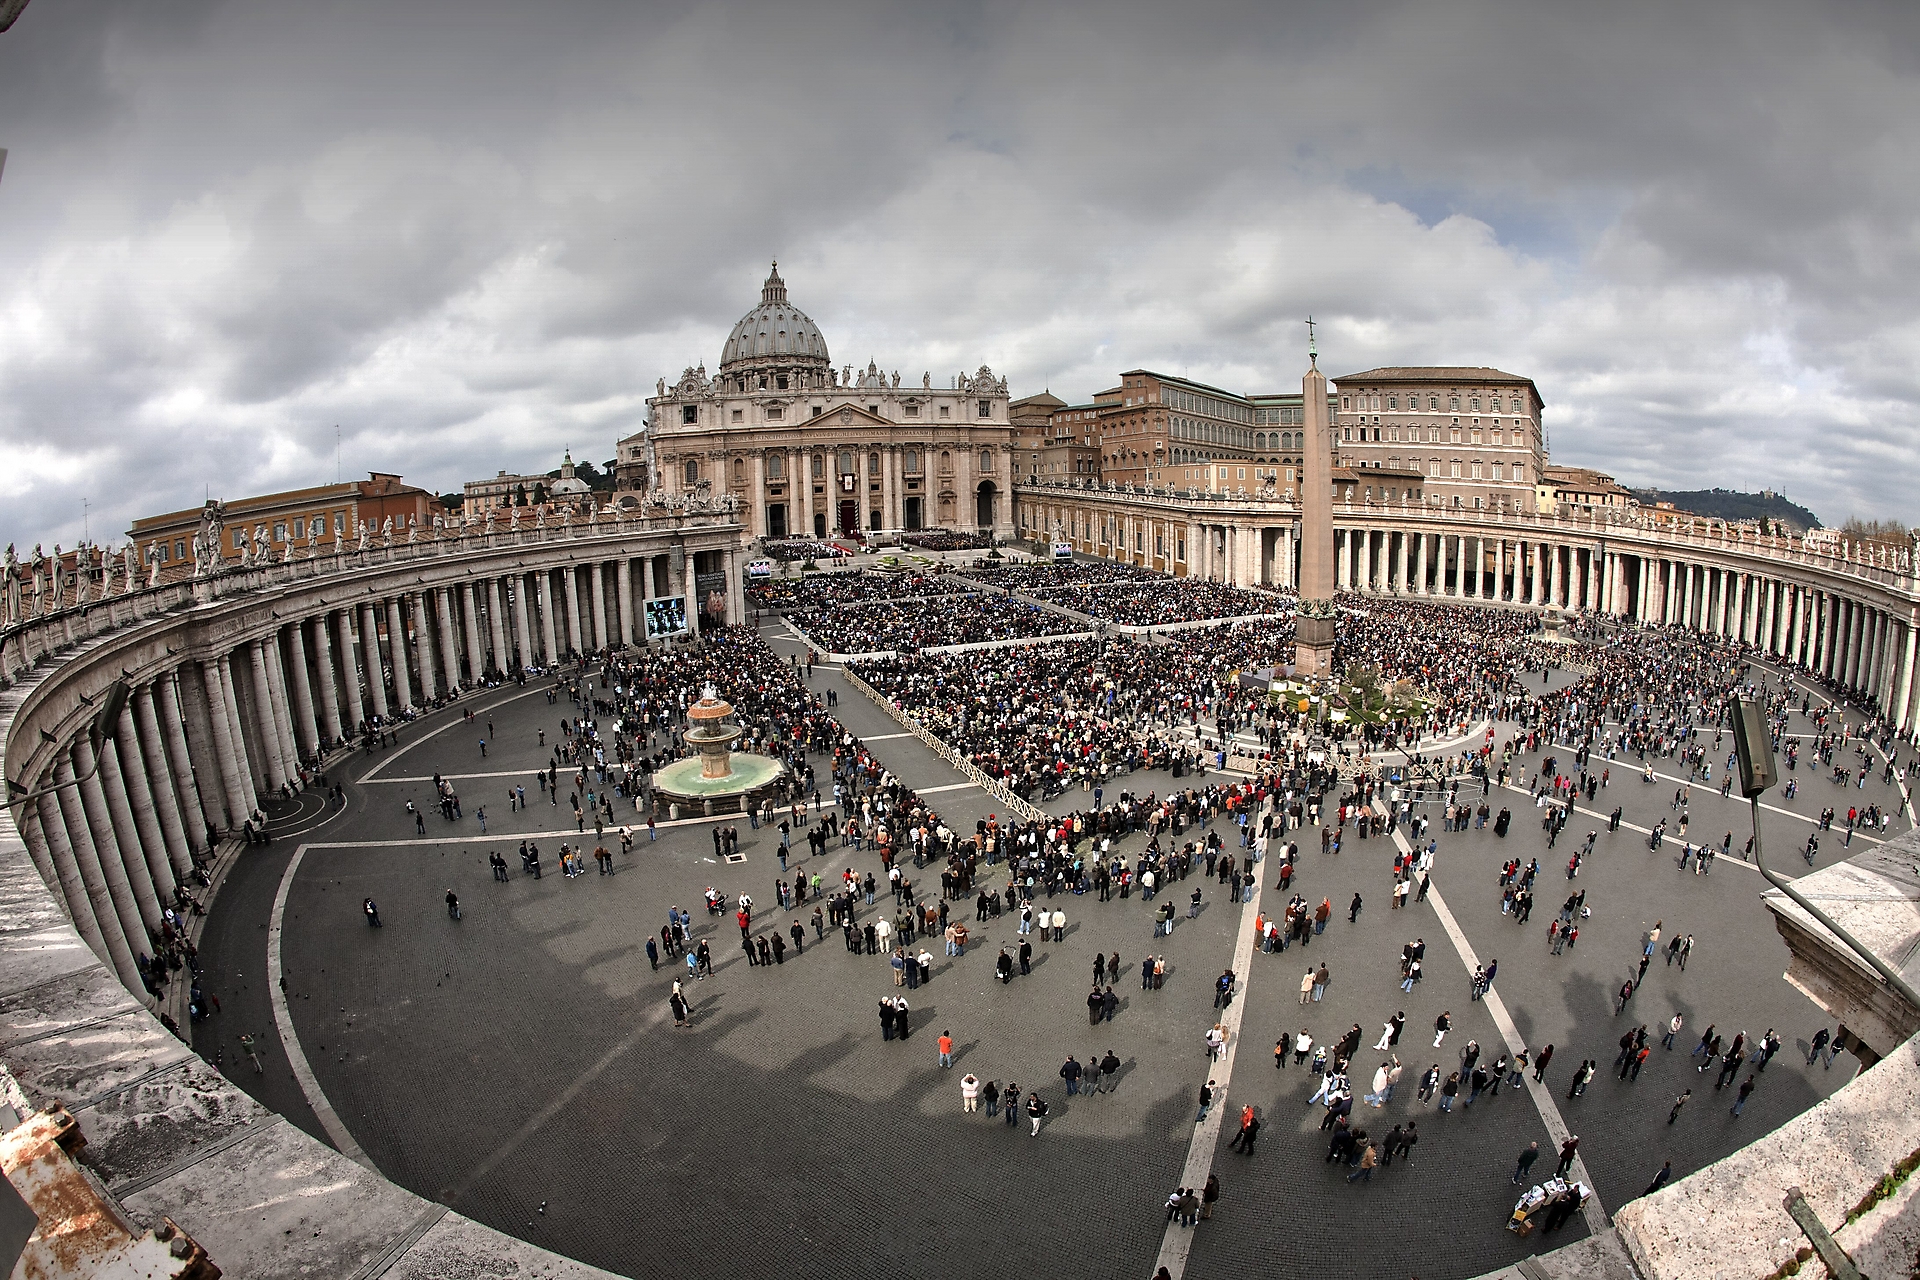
(1313, 352)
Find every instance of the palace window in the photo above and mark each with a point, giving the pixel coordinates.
(693, 471)
(912, 462)
(689, 413)
(819, 466)
(946, 411)
(986, 408)
(986, 459)
(846, 464)
(279, 531)
(913, 411)
(1453, 404)
(776, 466)
(775, 413)
(780, 382)
(873, 464)
(1456, 470)
(739, 415)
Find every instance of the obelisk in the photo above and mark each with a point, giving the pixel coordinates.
(1314, 621)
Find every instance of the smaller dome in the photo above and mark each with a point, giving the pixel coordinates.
(776, 331)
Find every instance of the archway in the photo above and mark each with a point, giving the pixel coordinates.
(983, 513)
(849, 517)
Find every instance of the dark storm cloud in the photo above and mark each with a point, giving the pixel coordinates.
(473, 234)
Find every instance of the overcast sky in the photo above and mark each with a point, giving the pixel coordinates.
(471, 234)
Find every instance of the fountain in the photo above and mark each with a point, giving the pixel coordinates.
(716, 772)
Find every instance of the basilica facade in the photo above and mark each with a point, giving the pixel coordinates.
(808, 450)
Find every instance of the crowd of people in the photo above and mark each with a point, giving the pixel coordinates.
(877, 626)
(827, 590)
(1040, 575)
(1158, 601)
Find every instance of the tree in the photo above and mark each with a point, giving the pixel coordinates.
(453, 501)
(519, 495)
(539, 495)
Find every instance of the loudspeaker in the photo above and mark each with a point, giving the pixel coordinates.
(1753, 749)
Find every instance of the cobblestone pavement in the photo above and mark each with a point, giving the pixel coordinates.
(520, 1064)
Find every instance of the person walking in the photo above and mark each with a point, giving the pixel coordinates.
(1659, 1179)
(1525, 1162)
(1568, 1150)
(1441, 1025)
(1746, 1091)
(1679, 1104)
(1036, 1112)
(1673, 1029)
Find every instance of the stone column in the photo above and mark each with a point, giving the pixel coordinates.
(397, 645)
(353, 696)
(329, 707)
(270, 757)
(306, 731)
(446, 616)
(597, 598)
(252, 761)
(623, 595)
(195, 766)
(239, 791)
(736, 600)
(31, 835)
(127, 786)
(426, 638)
(888, 520)
(376, 667)
(280, 713)
(546, 618)
(1904, 712)
(173, 832)
(69, 828)
(97, 823)
(471, 629)
(497, 622)
(43, 829)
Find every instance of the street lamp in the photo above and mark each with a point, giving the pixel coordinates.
(1753, 751)
(113, 703)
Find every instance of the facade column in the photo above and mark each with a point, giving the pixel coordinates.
(446, 617)
(353, 698)
(496, 631)
(498, 606)
(1904, 712)
(49, 830)
(227, 753)
(597, 594)
(470, 629)
(271, 760)
(129, 783)
(397, 645)
(426, 647)
(736, 599)
(196, 773)
(128, 837)
(306, 730)
(281, 713)
(1424, 542)
(323, 668)
(547, 632)
(35, 839)
(173, 832)
(576, 629)
(97, 824)
(79, 842)
(376, 667)
(623, 589)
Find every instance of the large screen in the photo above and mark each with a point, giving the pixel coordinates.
(666, 617)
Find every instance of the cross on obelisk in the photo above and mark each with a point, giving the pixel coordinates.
(1314, 621)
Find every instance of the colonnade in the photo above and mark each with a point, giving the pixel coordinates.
(249, 694)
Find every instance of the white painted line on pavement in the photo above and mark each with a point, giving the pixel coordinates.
(290, 1039)
(452, 722)
(1542, 1097)
(1178, 1241)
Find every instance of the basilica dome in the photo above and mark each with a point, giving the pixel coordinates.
(775, 333)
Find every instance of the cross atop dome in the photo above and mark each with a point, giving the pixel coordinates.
(775, 289)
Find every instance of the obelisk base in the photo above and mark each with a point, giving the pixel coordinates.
(1313, 647)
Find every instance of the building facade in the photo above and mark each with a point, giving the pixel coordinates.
(807, 450)
(1474, 433)
(319, 516)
